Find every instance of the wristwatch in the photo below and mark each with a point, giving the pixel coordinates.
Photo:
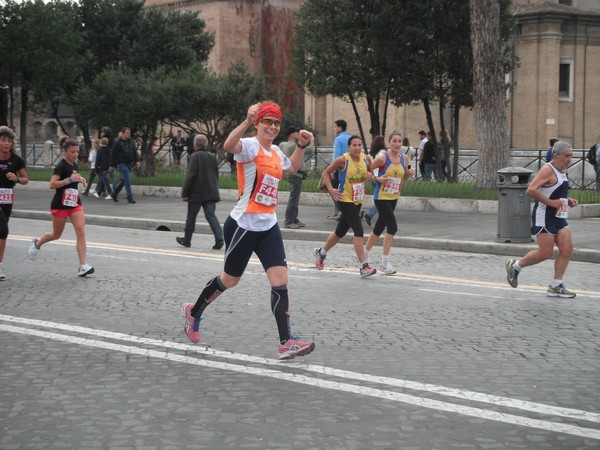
(302, 146)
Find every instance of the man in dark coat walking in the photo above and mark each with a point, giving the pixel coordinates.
(201, 190)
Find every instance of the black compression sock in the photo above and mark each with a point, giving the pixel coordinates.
(280, 305)
(211, 291)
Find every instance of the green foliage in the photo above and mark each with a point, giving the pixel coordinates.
(213, 104)
(40, 50)
(105, 25)
(341, 49)
(396, 51)
(174, 41)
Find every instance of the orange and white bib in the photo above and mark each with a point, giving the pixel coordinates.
(7, 196)
(70, 197)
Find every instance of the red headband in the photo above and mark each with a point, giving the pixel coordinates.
(268, 109)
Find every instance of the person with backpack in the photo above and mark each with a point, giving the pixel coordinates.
(593, 158)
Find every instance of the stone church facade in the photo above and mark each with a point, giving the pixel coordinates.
(555, 88)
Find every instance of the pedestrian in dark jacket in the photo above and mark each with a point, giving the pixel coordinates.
(124, 157)
(102, 166)
(201, 190)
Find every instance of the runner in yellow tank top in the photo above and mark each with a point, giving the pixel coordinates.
(355, 170)
(352, 179)
(393, 169)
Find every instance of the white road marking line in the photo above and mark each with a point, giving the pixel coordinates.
(440, 390)
(324, 384)
(460, 293)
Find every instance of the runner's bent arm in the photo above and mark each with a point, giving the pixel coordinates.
(233, 142)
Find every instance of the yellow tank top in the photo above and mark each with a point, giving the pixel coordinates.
(391, 189)
(352, 180)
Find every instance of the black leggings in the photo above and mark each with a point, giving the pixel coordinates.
(386, 217)
(350, 219)
(5, 211)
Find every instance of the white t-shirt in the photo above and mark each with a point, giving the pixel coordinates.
(92, 158)
(421, 147)
(408, 151)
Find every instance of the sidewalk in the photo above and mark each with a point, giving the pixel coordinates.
(423, 229)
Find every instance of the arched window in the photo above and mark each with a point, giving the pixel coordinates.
(51, 131)
(36, 131)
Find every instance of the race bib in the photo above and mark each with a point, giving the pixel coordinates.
(392, 186)
(6, 196)
(267, 193)
(358, 192)
(70, 197)
(563, 211)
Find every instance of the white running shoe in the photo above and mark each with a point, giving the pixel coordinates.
(33, 250)
(84, 270)
(387, 269)
(2, 273)
(95, 194)
(108, 197)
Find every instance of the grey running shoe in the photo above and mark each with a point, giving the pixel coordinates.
(512, 274)
(33, 250)
(560, 291)
(84, 270)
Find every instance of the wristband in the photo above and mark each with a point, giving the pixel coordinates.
(302, 146)
(69, 180)
(18, 179)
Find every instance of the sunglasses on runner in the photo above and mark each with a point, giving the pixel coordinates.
(269, 122)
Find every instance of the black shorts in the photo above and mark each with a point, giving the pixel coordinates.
(350, 219)
(241, 243)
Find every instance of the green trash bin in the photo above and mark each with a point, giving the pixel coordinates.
(514, 205)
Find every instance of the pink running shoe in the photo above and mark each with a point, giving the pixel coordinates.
(293, 347)
(366, 271)
(320, 259)
(192, 324)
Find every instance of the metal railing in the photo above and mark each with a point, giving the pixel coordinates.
(581, 173)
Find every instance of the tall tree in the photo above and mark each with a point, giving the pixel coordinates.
(127, 44)
(488, 91)
(40, 50)
(342, 48)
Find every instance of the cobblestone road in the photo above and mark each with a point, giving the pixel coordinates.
(443, 355)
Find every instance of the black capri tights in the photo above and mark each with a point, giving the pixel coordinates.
(5, 211)
(350, 219)
(386, 218)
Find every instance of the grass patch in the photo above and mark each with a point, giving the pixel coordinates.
(173, 177)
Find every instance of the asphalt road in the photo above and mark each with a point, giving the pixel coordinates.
(442, 355)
